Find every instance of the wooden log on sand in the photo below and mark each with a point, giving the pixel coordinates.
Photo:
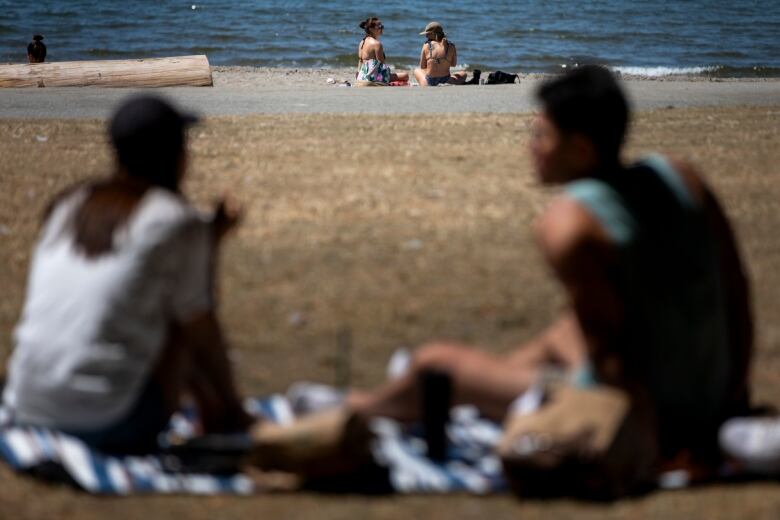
(191, 71)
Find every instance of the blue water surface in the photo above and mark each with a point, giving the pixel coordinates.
(651, 37)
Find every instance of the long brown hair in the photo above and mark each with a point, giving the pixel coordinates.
(368, 24)
(439, 35)
(108, 206)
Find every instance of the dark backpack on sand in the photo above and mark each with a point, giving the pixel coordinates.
(498, 77)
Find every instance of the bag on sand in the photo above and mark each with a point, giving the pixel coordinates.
(498, 77)
(591, 443)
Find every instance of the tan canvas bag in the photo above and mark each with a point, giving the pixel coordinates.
(587, 442)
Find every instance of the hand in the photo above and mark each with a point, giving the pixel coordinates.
(227, 214)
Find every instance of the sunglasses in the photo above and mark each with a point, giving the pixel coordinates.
(379, 26)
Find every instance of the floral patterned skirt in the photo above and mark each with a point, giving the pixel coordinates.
(374, 70)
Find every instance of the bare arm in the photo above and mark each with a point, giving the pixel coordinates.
(580, 254)
(423, 59)
(379, 52)
(560, 344)
(211, 377)
(454, 60)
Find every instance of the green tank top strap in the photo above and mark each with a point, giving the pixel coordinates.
(661, 166)
(607, 205)
(611, 208)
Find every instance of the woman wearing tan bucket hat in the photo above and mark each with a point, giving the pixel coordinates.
(438, 54)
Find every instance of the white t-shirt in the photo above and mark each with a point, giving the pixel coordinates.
(92, 329)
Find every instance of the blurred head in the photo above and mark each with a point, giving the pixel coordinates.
(373, 26)
(148, 136)
(582, 125)
(36, 50)
(434, 31)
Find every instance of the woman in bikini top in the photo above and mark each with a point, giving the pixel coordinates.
(371, 56)
(438, 54)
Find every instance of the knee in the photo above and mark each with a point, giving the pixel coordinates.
(436, 356)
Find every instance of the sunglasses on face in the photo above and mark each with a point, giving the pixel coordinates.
(379, 26)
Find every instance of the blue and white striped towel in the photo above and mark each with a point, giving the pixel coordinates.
(471, 465)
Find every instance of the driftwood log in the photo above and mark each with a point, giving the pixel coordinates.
(191, 71)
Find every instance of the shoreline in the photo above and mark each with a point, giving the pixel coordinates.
(251, 76)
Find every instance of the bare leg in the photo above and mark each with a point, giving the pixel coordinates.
(490, 382)
(399, 76)
(459, 78)
(419, 75)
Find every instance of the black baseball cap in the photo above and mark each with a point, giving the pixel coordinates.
(147, 120)
(148, 135)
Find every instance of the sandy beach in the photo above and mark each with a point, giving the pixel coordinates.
(241, 91)
(346, 229)
(230, 76)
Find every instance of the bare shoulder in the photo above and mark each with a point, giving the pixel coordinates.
(691, 176)
(566, 230)
(368, 45)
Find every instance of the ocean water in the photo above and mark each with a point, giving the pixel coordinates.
(650, 37)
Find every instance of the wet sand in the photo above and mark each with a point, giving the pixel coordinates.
(346, 228)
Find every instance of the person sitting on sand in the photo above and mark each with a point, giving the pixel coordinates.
(438, 54)
(658, 298)
(371, 56)
(119, 318)
(36, 50)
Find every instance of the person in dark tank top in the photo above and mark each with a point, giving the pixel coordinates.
(658, 300)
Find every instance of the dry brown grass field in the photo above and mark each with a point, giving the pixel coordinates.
(399, 229)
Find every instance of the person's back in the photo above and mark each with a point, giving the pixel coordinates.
(674, 338)
(439, 57)
(85, 340)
